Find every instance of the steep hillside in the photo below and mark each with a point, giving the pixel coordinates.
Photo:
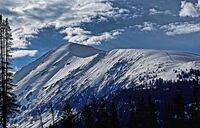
(76, 71)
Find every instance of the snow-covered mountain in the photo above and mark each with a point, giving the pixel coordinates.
(77, 71)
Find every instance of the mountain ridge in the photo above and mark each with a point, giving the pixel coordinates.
(60, 75)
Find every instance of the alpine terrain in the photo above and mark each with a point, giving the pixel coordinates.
(78, 72)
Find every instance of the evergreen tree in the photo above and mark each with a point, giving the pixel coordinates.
(179, 112)
(140, 114)
(86, 117)
(175, 113)
(40, 116)
(52, 113)
(8, 99)
(168, 116)
(195, 107)
(132, 113)
(67, 118)
(151, 114)
(114, 121)
(51, 126)
(103, 118)
(94, 105)
(94, 108)
(144, 116)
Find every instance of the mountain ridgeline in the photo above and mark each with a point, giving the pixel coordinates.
(79, 73)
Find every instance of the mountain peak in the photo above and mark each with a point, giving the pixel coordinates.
(77, 71)
(82, 51)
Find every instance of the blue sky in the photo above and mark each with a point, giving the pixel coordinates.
(39, 26)
(46, 40)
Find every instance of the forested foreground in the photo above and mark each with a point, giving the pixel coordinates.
(164, 105)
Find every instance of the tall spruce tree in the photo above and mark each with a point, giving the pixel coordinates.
(114, 121)
(174, 116)
(140, 114)
(40, 116)
(86, 117)
(179, 112)
(103, 118)
(195, 107)
(8, 99)
(94, 108)
(132, 113)
(143, 115)
(151, 113)
(68, 117)
(168, 115)
(52, 113)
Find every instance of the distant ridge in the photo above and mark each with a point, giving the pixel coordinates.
(77, 71)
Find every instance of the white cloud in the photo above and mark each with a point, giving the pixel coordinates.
(147, 26)
(27, 17)
(181, 28)
(23, 53)
(154, 11)
(189, 9)
(123, 11)
(78, 35)
(103, 37)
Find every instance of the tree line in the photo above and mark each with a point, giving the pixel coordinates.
(141, 112)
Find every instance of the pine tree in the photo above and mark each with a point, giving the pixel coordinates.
(67, 118)
(132, 113)
(86, 117)
(94, 105)
(51, 126)
(40, 116)
(52, 113)
(114, 121)
(195, 107)
(151, 114)
(168, 115)
(175, 113)
(8, 99)
(143, 115)
(94, 108)
(179, 112)
(140, 114)
(103, 118)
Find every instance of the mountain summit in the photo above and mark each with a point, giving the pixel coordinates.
(76, 71)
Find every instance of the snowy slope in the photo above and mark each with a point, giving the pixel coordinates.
(77, 71)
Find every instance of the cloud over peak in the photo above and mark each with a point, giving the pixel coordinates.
(92, 22)
(27, 17)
